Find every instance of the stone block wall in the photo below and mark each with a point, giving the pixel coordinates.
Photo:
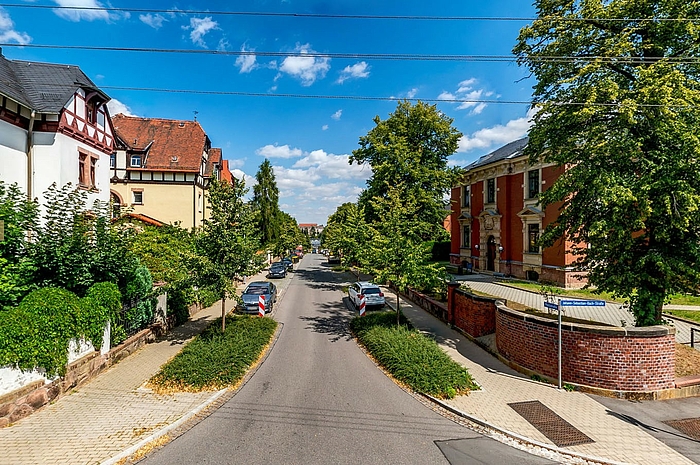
(614, 358)
(26, 400)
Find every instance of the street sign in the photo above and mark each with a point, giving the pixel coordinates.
(261, 305)
(363, 305)
(582, 303)
(551, 305)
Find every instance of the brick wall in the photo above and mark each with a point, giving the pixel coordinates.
(474, 315)
(621, 359)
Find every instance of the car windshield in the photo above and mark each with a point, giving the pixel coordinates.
(257, 290)
(371, 290)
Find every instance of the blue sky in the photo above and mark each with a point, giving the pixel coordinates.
(307, 140)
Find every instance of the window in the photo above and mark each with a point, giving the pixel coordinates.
(466, 237)
(93, 171)
(82, 163)
(491, 190)
(87, 170)
(137, 197)
(533, 183)
(136, 161)
(113, 160)
(466, 192)
(91, 112)
(533, 234)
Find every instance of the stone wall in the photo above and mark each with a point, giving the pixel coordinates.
(607, 357)
(26, 400)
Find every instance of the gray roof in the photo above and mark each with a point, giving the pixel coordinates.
(44, 87)
(511, 150)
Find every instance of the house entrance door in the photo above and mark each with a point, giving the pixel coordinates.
(491, 254)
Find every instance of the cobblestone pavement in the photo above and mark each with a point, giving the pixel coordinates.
(615, 440)
(114, 411)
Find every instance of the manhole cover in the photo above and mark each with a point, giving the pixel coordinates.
(555, 428)
(688, 426)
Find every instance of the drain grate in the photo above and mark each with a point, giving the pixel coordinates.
(555, 428)
(688, 426)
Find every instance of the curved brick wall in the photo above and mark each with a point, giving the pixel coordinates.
(622, 359)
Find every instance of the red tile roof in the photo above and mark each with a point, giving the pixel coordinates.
(214, 159)
(226, 174)
(170, 144)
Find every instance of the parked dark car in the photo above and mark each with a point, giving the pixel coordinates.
(253, 292)
(288, 263)
(277, 270)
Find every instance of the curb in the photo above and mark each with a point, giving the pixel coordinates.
(521, 439)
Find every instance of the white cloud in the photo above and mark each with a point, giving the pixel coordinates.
(357, 71)
(94, 11)
(278, 151)
(236, 163)
(336, 116)
(471, 97)
(500, 134)
(201, 27)
(155, 21)
(324, 127)
(246, 63)
(328, 165)
(7, 30)
(305, 68)
(412, 93)
(115, 107)
(239, 174)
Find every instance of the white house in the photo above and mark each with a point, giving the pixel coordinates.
(54, 128)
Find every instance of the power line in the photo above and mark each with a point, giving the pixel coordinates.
(335, 16)
(371, 56)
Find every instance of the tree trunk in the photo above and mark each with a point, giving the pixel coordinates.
(398, 309)
(223, 314)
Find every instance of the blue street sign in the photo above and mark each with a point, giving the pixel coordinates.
(582, 303)
(551, 305)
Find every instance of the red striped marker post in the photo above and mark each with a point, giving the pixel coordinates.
(261, 305)
(363, 304)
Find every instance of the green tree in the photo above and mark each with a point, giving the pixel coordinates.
(410, 149)
(74, 247)
(290, 235)
(265, 202)
(347, 234)
(397, 255)
(619, 108)
(226, 245)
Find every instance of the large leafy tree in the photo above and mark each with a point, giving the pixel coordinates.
(290, 235)
(226, 245)
(347, 234)
(410, 148)
(266, 204)
(397, 255)
(618, 100)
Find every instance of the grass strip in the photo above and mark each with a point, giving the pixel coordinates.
(214, 360)
(686, 314)
(411, 357)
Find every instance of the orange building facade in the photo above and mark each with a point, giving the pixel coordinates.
(497, 219)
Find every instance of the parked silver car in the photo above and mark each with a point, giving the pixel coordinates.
(374, 297)
(252, 293)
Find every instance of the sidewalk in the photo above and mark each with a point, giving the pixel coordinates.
(615, 440)
(111, 413)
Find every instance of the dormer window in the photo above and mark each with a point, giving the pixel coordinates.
(136, 161)
(113, 160)
(91, 112)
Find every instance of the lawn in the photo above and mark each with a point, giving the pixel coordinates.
(687, 314)
(214, 360)
(411, 357)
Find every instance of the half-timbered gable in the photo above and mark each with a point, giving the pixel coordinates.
(54, 128)
(162, 168)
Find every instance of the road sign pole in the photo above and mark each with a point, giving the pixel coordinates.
(261, 305)
(559, 337)
(363, 305)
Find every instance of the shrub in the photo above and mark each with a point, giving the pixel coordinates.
(215, 360)
(36, 333)
(411, 357)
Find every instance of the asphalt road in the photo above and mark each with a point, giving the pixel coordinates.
(318, 399)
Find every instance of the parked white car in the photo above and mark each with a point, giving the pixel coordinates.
(374, 297)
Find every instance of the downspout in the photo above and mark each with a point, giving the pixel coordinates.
(30, 150)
